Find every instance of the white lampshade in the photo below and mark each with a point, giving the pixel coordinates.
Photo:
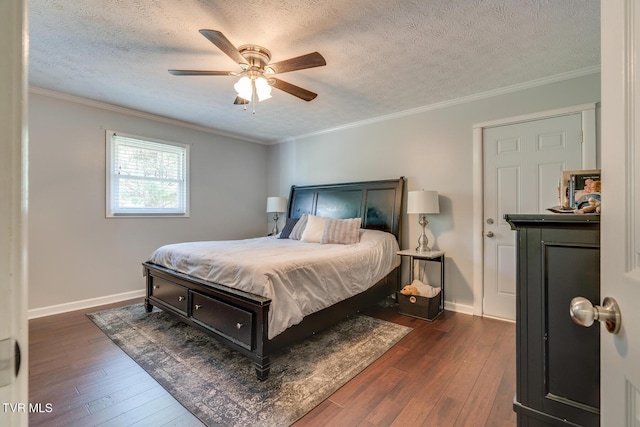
(244, 88)
(423, 202)
(276, 204)
(263, 89)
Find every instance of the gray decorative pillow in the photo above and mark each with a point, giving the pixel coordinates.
(341, 231)
(298, 229)
(288, 228)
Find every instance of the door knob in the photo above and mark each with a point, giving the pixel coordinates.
(584, 313)
(9, 361)
(489, 233)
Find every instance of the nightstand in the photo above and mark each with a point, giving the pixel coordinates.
(422, 307)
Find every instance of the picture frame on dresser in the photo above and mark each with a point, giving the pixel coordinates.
(578, 185)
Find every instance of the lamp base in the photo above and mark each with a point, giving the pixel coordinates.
(423, 241)
(275, 230)
(423, 248)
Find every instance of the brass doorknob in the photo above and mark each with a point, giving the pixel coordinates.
(584, 313)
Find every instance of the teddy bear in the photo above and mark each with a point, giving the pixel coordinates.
(421, 289)
(409, 290)
(592, 206)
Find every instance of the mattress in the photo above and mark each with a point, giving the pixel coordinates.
(300, 278)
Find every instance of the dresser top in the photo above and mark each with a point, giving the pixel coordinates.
(517, 220)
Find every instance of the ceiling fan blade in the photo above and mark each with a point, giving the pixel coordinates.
(293, 90)
(240, 101)
(199, 73)
(223, 43)
(309, 60)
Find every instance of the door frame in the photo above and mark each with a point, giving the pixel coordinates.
(589, 161)
(13, 221)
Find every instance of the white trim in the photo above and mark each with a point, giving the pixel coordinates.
(499, 318)
(14, 329)
(589, 160)
(137, 113)
(87, 303)
(478, 228)
(589, 150)
(458, 308)
(591, 106)
(437, 106)
(445, 104)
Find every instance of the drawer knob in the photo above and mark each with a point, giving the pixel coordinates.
(239, 325)
(197, 306)
(412, 299)
(156, 287)
(181, 298)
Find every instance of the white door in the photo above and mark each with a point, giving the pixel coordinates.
(13, 296)
(523, 163)
(620, 221)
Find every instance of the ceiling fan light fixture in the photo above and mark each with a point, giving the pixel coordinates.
(263, 89)
(256, 79)
(244, 88)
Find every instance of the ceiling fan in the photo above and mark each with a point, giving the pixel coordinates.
(257, 73)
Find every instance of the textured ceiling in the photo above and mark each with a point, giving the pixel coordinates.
(383, 56)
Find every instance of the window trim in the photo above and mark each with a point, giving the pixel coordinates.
(111, 212)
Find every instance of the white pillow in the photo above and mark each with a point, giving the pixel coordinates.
(314, 229)
(341, 231)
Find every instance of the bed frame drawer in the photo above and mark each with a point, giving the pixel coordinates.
(174, 295)
(228, 320)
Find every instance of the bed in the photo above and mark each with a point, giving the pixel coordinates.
(247, 319)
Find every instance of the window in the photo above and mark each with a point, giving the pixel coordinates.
(146, 177)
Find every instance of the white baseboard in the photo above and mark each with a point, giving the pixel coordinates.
(486, 316)
(87, 303)
(468, 309)
(458, 308)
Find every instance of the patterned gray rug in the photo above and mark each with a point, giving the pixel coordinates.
(219, 386)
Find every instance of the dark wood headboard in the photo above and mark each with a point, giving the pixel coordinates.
(378, 203)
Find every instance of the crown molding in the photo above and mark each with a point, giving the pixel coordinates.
(137, 113)
(445, 104)
(436, 106)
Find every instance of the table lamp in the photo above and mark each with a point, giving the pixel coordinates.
(423, 202)
(276, 205)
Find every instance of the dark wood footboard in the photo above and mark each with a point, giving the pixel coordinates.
(240, 319)
(235, 318)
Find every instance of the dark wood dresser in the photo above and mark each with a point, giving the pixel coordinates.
(557, 361)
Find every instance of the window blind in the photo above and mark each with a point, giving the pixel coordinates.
(146, 177)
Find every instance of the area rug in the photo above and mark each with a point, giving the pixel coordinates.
(219, 385)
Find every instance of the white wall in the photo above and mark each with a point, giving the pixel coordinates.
(75, 252)
(433, 150)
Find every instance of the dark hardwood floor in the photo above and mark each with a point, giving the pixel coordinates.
(456, 371)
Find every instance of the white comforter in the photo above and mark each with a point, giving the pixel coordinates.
(300, 278)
